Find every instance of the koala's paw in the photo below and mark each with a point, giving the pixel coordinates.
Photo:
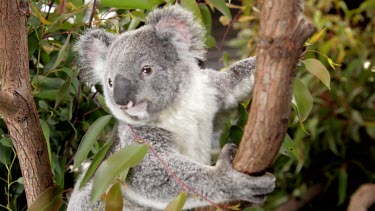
(246, 188)
(224, 162)
(254, 189)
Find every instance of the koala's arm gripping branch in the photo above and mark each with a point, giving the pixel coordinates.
(283, 31)
(234, 84)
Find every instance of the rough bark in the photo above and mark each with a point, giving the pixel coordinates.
(363, 198)
(17, 105)
(283, 31)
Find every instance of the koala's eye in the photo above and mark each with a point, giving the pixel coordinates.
(110, 82)
(146, 70)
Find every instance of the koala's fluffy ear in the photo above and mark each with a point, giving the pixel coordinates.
(92, 49)
(179, 25)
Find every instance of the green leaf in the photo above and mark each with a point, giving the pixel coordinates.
(46, 133)
(210, 41)
(342, 185)
(316, 36)
(192, 6)
(288, 148)
(62, 53)
(36, 12)
(130, 4)
(102, 103)
(63, 91)
(98, 158)
(50, 199)
(206, 18)
(222, 7)
(302, 100)
(47, 94)
(225, 134)
(89, 138)
(6, 142)
(177, 203)
(114, 200)
(5, 155)
(316, 68)
(111, 168)
(235, 134)
(242, 116)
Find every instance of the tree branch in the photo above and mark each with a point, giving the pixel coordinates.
(16, 100)
(6, 105)
(363, 198)
(283, 31)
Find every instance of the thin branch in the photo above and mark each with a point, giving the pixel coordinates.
(92, 13)
(363, 198)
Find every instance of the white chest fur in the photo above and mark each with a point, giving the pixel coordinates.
(191, 120)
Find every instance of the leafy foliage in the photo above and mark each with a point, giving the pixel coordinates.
(332, 129)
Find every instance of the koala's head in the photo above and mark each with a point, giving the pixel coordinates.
(143, 72)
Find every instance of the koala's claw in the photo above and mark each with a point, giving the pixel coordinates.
(226, 157)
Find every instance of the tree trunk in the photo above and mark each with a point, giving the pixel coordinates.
(16, 102)
(283, 31)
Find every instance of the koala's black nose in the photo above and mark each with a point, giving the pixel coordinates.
(122, 90)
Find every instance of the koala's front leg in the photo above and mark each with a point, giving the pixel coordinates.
(152, 185)
(235, 84)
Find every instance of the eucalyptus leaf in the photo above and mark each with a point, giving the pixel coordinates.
(342, 185)
(61, 94)
(112, 167)
(316, 68)
(46, 133)
(177, 203)
(302, 100)
(288, 148)
(62, 53)
(222, 7)
(114, 200)
(192, 6)
(98, 158)
(89, 138)
(206, 18)
(50, 199)
(130, 4)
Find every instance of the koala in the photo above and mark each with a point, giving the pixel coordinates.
(153, 85)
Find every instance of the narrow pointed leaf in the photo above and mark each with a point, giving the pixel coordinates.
(206, 18)
(50, 199)
(177, 203)
(343, 185)
(288, 148)
(192, 6)
(113, 167)
(302, 100)
(62, 53)
(316, 68)
(316, 36)
(89, 138)
(114, 200)
(222, 7)
(62, 92)
(98, 158)
(130, 4)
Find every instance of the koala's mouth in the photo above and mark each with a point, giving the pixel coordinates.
(135, 109)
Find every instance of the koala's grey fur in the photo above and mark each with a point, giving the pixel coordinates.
(173, 107)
